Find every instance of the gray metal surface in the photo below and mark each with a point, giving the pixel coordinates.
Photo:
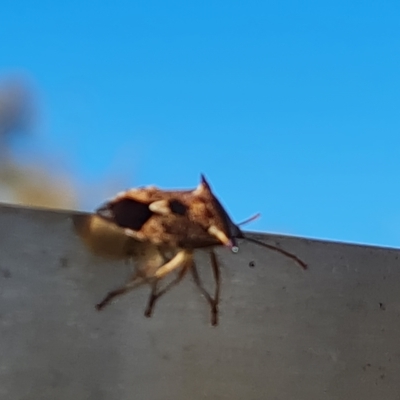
(331, 332)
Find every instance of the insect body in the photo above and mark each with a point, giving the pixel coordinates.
(165, 227)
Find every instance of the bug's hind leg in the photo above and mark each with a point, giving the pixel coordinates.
(132, 284)
(154, 295)
(213, 302)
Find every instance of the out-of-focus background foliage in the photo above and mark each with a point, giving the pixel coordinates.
(35, 181)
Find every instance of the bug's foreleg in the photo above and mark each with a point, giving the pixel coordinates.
(217, 279)
(154, 295)
(182, 258)
(213, 302)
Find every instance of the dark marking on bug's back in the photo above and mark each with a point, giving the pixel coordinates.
(126, 213)
(177, 207)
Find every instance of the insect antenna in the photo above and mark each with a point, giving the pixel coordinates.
(269, 246)
(279, 250)
(246, 221)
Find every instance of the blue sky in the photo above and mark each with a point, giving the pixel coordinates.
(291, 108)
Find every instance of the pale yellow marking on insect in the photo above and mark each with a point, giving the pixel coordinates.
(180, 260)
(134, 234)
(132, 192)
(214, 231)
(120, 195)
(160, 207)
(199, 190)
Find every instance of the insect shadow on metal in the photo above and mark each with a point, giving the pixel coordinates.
(162, 229)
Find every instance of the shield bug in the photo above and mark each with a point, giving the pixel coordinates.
(161, 231)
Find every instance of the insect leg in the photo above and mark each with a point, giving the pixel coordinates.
(135, 282)
(182, 258)
(217, 278)
(154, 295)
(212, 302)
(152, 300)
